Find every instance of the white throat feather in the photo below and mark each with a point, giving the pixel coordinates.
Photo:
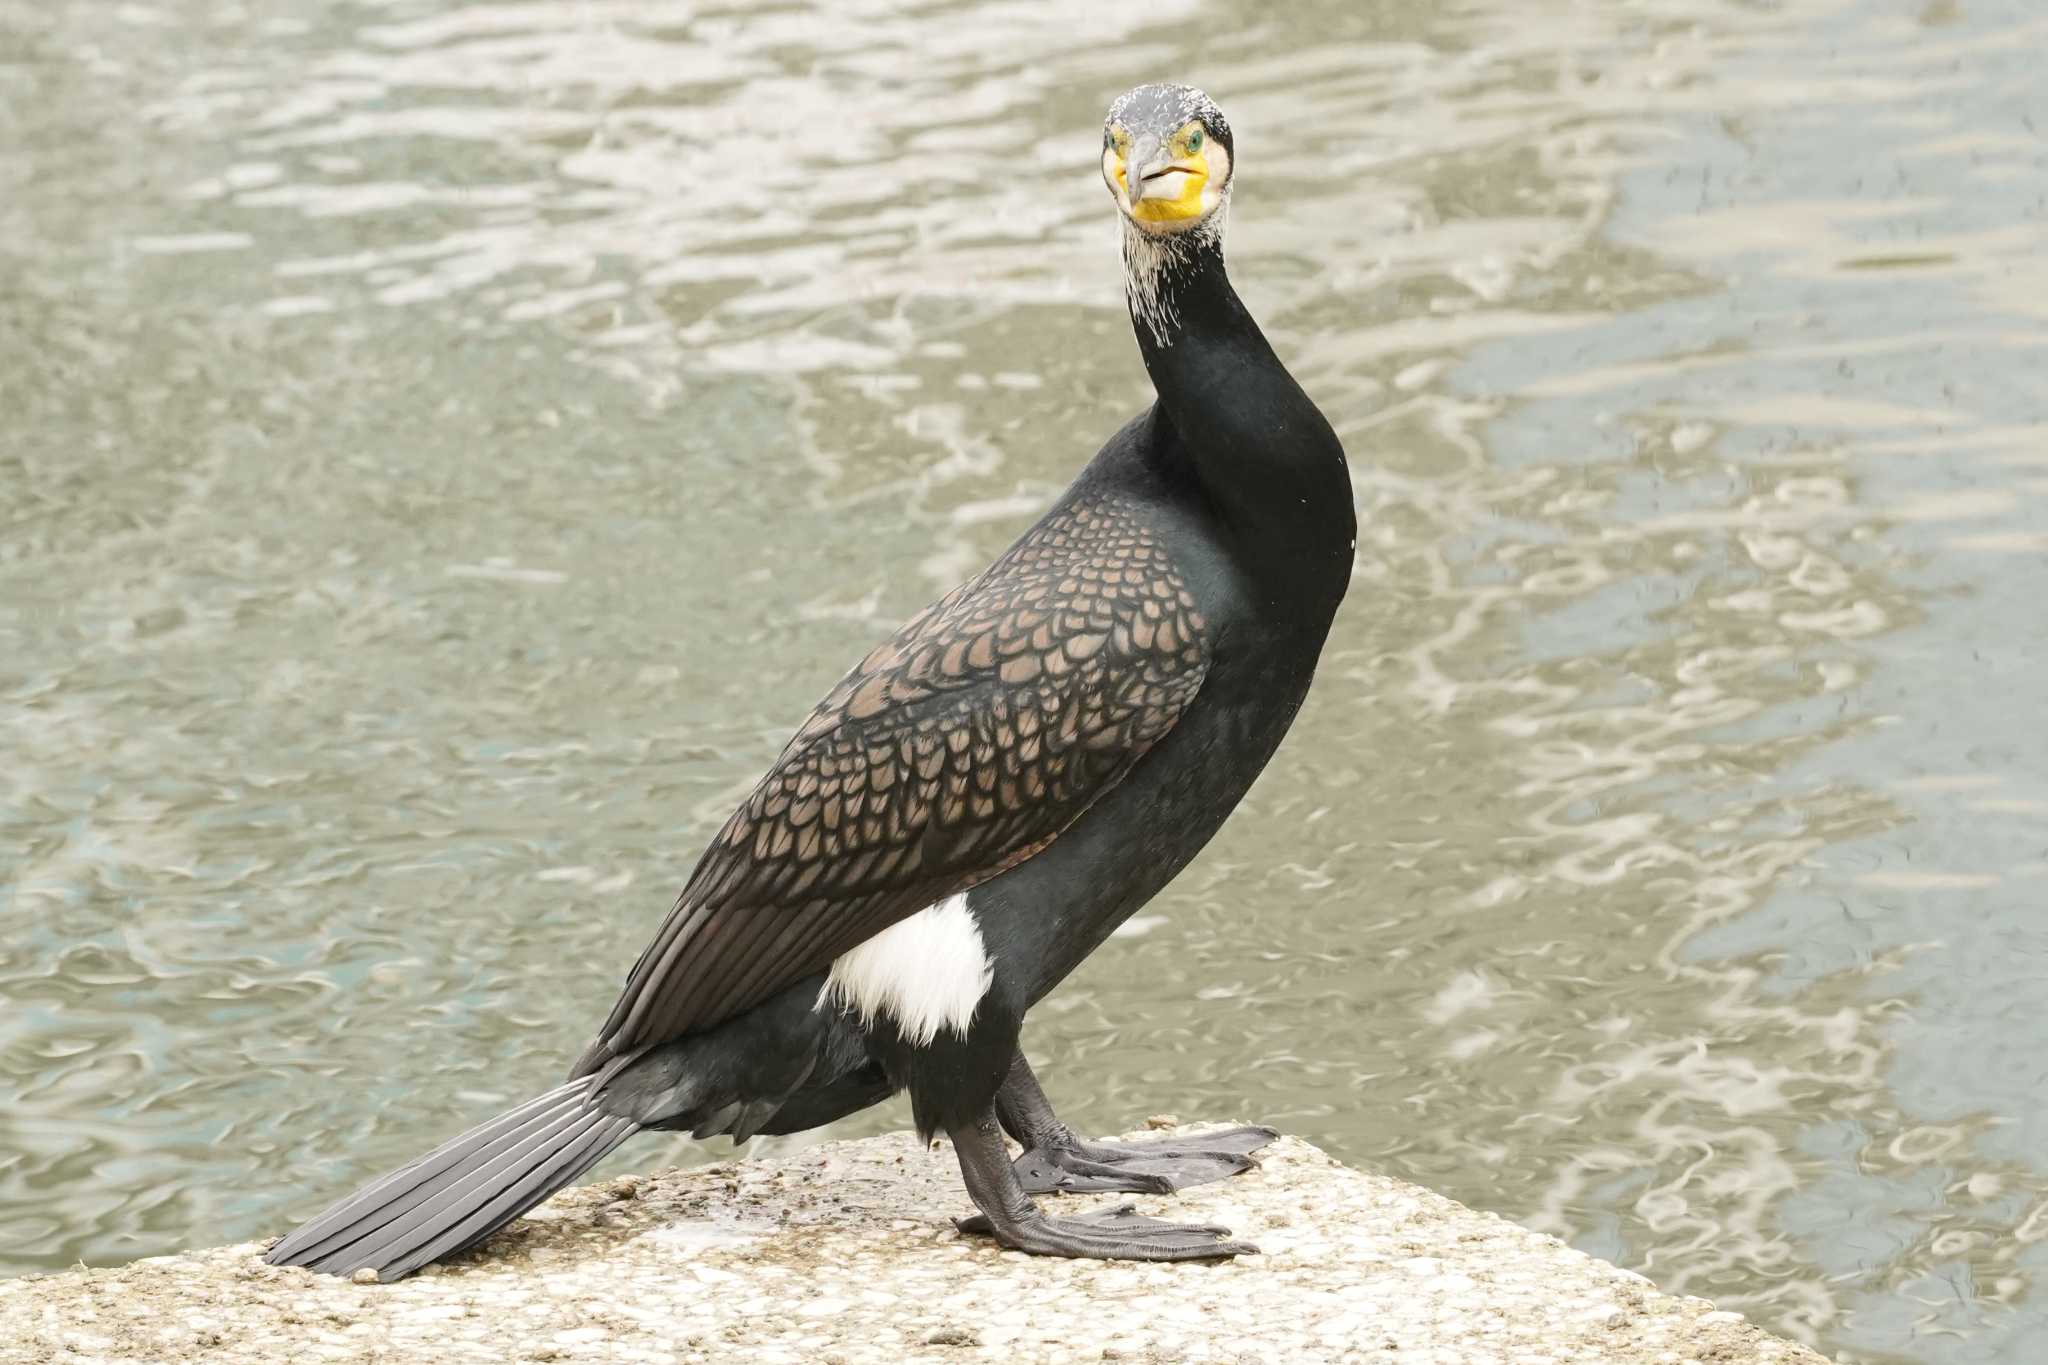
(1151, 259)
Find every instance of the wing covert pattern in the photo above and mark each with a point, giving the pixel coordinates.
(959, 747)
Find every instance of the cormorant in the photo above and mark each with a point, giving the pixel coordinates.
(976, 805)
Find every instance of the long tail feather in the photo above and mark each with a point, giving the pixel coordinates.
(461, 1192)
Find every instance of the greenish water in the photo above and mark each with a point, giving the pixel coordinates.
(446, 447)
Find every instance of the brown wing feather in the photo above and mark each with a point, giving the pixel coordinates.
(961, 746)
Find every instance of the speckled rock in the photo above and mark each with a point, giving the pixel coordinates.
(846, 1253)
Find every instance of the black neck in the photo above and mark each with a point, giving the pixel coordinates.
(1272, 467)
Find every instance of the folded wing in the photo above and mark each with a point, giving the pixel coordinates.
(961, 746)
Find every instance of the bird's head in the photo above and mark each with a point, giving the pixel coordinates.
(1166, 158)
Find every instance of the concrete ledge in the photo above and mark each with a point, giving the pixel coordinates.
(844, 1253)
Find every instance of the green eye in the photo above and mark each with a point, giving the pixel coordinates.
(1195, 140)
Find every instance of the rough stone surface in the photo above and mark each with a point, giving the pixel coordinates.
(845, 1253)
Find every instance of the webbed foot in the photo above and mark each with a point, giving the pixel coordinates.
(1118, 1234)
(1073, 1166)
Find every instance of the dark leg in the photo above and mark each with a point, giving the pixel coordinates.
(1118, 1234)
(1055, 1161)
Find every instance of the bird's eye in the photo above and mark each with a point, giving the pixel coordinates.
(1194, 139)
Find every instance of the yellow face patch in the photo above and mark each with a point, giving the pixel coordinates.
(1187, 164)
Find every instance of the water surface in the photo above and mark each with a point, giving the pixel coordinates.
(449, 445)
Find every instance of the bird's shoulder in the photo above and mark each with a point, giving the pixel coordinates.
(1091, 581)
(1002, 704)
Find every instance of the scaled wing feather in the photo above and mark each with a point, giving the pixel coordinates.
(961, 746)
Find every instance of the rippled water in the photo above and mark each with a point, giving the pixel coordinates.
(446, 446)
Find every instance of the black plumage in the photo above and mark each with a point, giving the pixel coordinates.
(1037, 754)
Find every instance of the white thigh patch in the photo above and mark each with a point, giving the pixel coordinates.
(927, 972)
